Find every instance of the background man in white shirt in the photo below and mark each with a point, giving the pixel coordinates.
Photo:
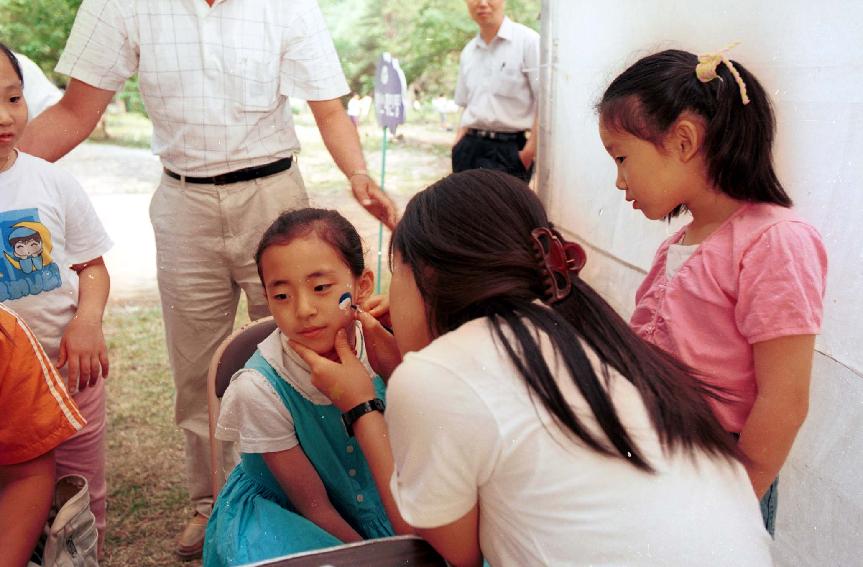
(39, 91)
(498, 87)
(215, 77)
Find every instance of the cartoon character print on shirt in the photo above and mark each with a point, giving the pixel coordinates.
(26, 267)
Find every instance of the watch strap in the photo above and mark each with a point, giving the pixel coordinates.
(352, 415)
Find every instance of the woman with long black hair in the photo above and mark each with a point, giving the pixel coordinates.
(529, 425)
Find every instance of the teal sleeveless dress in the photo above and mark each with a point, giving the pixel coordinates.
(253, 519)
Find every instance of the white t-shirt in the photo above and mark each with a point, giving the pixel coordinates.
(39, 92)
(47, 224)
(464, 430)
(678, 254)
(253, 414)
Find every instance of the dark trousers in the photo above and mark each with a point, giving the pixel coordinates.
(474, 152)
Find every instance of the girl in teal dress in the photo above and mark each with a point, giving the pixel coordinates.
(302, 482)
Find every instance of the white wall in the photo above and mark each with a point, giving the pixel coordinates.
(809, 57)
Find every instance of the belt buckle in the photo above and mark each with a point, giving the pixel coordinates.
(492, 135)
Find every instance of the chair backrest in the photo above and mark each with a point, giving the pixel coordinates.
(236, 350)
(385, 552)
(231, 355)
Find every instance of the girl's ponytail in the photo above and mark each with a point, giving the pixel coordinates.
(739, 141)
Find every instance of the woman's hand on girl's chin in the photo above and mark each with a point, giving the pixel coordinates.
(347, 383)
(383, 352)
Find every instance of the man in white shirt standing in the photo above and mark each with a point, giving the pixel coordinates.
(498, 87)
(215, 77)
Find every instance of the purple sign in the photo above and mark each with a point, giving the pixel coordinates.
(390, 89)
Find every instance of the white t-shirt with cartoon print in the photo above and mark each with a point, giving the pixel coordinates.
(47, 224)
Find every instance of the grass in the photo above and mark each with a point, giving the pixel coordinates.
(147, 503)
(147, 500)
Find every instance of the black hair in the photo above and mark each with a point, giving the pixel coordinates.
(647, 99)
(328, 225)
(467, 239)
(13, 60)
(35, 236)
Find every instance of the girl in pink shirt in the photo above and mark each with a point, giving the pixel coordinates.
(737, 293)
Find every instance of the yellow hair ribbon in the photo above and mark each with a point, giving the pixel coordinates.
(707, 64)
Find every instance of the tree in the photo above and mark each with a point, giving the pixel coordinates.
(426, 35)
(438, 33)
(38, 29)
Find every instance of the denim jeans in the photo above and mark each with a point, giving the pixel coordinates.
(769, 504)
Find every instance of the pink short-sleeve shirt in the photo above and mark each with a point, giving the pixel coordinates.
(761, 275)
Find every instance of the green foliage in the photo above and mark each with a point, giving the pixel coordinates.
(425, 35)
(38, 29)
(130, 96)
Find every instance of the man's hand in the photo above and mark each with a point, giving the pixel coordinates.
(340, 137)
(346, 383)
(459, 134)
(83, 349)
(526, 156)
(375, 201)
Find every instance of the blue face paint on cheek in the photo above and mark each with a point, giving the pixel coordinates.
(345, 301)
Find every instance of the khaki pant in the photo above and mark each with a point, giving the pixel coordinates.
(206, 237)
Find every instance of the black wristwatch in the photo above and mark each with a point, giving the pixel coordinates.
(353, 414)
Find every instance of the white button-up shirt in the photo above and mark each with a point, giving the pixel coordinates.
(39, 92)
(498, 82)
(215, 80)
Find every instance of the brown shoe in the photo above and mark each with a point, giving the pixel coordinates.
(190, 544)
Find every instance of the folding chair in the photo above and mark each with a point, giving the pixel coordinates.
(231, 355)
(396, 551)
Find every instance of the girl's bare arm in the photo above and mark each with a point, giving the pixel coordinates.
(300, 481)
(26, 490)
(783, 367)
(83, 347)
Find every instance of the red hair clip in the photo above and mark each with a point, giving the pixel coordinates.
(558, 259)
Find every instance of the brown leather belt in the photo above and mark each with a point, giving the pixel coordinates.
(245, 174)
